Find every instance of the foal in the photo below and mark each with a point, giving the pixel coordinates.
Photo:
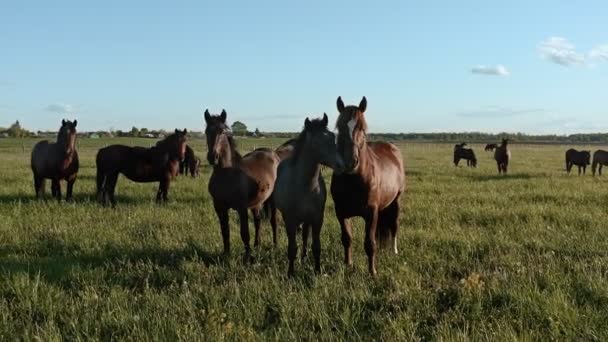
(300, 192)
(238, 183)
(502, 155)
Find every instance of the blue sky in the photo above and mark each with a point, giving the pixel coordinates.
(529, 66)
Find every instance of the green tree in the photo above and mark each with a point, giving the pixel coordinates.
(134, 132)
(143, 131)
(16, 131)
(239, 128)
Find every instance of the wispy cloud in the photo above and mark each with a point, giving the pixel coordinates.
(561, 51)
(599, 52)
(499, 112)
(498, 70)
(61, 108)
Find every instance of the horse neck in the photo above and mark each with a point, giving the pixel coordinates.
(230, 157)
(164, 147)
(306, 170)
(365, 153)
(61, 145)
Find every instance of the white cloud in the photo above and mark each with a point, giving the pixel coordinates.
(61, 108)
(561, 51)
(498, 70)
(599, 52)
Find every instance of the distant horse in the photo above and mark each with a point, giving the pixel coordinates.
(190, 163)
(461, 145)
(238, 183)
(159, 163)
(370, 186)
(502, 155)
(300, 192)
(56, 161)
(578, 158)
(600, 157)
(490, 147)
(467, 154)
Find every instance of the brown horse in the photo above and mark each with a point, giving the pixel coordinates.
(370, 187)
(56, 161)
(239, 183)
(191, 163)
(490, 147)
(159, 163)
(502, 155)
(600, 158)
(578, 158)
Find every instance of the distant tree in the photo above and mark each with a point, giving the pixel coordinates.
(257, 132)
(118, 133)
(134, 132)
(143, 131)
(239, 128)
(16, 131)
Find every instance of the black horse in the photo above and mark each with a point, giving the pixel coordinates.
(156, 164)
(191, 163)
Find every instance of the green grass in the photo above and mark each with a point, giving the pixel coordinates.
(481, 256)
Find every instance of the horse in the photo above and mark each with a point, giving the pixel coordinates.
(467, 154)
(285, 150)
(461, 145)
(502, 155)
(490, 147)
(190, 163)
(578, 158)
(159, 163)
(56, 161)
(600, 157)
(299, 191)
(239, 182)
(369, 185)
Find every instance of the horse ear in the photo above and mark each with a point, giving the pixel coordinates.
(223, 116)
(62, 122)
(363, 105)
(340, 104)
(176, 130)
(207, 116)
(325, 119)
(185, 131)
(75, 123)
(306, 123)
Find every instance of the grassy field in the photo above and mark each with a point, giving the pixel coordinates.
(481, 256)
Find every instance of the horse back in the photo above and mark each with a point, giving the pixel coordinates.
(261, 166)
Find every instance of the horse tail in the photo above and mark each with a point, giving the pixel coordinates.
(101, 176)
(266, 208)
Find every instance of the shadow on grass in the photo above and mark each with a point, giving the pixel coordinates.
(64, 265)
(496, 177)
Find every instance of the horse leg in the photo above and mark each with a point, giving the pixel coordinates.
(305, 232)
(257, 222)
(499, 168)
(600, 170)
(222, 215)
(291, 228)
(57, 188)
(371, 222)
(391, 217)
(39, 186)
(347, 239)
(111, 189)
(71, 181)
(273, 221)
(165, 189)
(316, 244)
(244, 222)
(100, 181)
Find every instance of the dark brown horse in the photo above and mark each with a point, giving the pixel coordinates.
(370, 187)
(300, 191)
(578, 158)
(465, 153)
(600, 158)
(502, 155)
(191, 163)
(490, 147)
(56, 161)
(159, 163)
(237, 182)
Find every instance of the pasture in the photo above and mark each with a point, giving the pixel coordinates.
(482, 256)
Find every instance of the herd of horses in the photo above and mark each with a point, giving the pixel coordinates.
(367, 181)
(368, 178)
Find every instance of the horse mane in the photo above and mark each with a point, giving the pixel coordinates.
(314, 125)
(166, 140)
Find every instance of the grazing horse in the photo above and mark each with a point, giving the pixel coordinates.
(578, 158)
(370, 186)
(490, 147)
(56, 161)
(300, 193)
(600, 157)
(467, 154)
(190, 163)
(502, 155)
(239, 183)
(159, 163)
